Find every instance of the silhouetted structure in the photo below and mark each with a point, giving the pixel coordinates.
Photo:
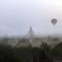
(30, 33)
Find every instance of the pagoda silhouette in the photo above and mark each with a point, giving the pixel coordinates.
(30, 33)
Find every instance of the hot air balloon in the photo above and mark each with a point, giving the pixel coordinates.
(54, 21)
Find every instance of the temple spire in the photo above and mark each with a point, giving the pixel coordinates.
(30, 33)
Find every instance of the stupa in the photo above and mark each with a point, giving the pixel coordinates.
(30, 33)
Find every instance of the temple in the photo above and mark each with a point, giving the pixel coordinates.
(30, 33)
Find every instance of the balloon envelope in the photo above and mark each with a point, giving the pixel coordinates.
(54, 21)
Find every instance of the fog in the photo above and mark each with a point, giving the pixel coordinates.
(16, 16)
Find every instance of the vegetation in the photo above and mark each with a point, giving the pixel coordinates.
(44, 53)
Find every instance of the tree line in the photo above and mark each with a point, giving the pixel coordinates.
(30, 54)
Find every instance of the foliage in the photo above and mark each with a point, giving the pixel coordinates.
(22, 54)
(30, 54)
(57, 51)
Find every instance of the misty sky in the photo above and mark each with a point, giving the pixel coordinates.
(16, 16)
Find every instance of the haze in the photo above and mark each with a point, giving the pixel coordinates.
(16, 16)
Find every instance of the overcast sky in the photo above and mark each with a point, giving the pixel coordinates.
(16, 16)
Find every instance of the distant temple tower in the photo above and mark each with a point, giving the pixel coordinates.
(30, 33)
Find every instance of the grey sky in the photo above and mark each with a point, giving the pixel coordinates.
(16, 16)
